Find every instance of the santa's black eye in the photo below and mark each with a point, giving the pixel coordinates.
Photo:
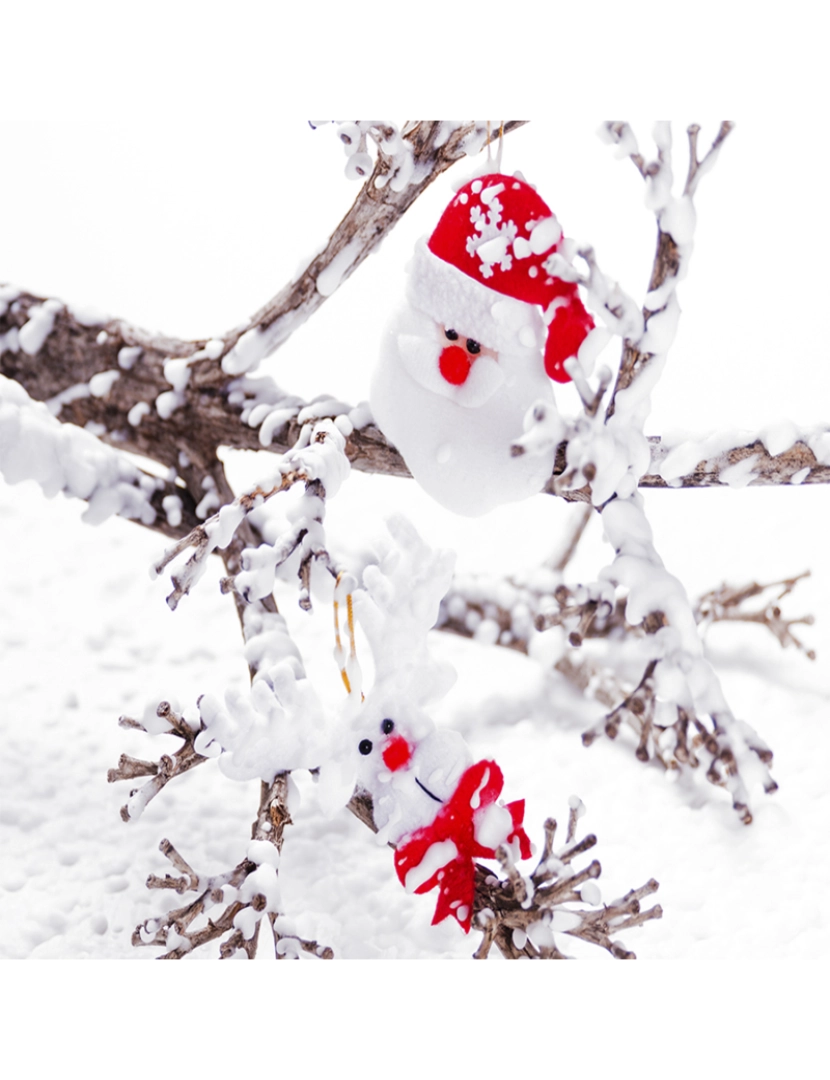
(365, 746)
(387, 727)
(473, 346)
(452, 334)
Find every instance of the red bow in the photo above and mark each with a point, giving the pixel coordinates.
(455, 824)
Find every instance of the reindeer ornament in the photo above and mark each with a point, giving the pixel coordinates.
(430, 799)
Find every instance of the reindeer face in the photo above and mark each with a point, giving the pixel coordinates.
(410, 768)
(395, 750)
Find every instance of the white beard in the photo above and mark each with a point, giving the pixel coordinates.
(456, 440)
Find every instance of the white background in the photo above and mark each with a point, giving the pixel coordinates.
(144, 172)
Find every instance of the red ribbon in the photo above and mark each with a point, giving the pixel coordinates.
(477, 789)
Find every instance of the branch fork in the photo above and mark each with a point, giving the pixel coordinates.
(526, 916)
(167, 768)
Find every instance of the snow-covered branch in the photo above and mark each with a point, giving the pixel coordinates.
(675, 217)
(162, 375)
(110, 396)
(245, 894)
(318, 460)
(61, 457)
(514, 613)
(728, 604)
(428, 148)
(780, 454)
(511, 612)
(167, 768)
(525, 915)
(606, 460)
(80, 392)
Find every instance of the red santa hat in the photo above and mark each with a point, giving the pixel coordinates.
(498, 235)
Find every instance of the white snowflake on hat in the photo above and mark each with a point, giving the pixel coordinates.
(486, 325)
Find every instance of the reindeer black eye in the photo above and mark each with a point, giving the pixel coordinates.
(452, 334)
(387, 727)
(473, 346)
(365, 746)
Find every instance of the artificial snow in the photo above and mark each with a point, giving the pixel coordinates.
(139, 410)
(101, 384)
(329, 279)
(683, 458)
(87, 315)
(493, 825)
(210, 500)
(62, 457)
(172, 507)
(246, 353)
(275, 726)
(545, 234)
(8, 294)
(71, 393)
(590, 893)
(741, 473)
(33, 334)
(177, 373)
(437, 855)
(779, 437)
(128, 355)
(10, 341)
(214, 348)
(167, 402)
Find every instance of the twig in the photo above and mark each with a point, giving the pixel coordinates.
(725, 604)
(164, 770)
(698, 168)
(521, 916)
(215, 532)
(245, 906)
(666, 265)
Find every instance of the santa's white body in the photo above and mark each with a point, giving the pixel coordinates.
(456, 439)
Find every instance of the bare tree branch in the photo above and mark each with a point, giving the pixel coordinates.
(698, 168)
(725, 604)
(508, 613)
(164, 770)
(505, 908)
(181, 930)
(667, 257)
(192, 377)
(798, 464)
(525, 916)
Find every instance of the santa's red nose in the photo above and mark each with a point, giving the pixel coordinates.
(454, 365)
(396, 753)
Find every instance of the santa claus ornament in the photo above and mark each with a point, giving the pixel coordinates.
(486, 326)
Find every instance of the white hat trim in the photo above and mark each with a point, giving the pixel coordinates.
(473, 309)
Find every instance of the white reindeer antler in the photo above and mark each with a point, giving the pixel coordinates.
(398, 606)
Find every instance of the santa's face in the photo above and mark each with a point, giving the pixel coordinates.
(453, 406)
(458, 356)
(446, 361)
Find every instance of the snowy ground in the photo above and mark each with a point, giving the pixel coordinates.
(86, 636)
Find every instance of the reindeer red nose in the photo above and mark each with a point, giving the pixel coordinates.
(454, 364)
(396, 753)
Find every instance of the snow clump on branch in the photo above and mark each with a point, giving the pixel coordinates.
(34, 445)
